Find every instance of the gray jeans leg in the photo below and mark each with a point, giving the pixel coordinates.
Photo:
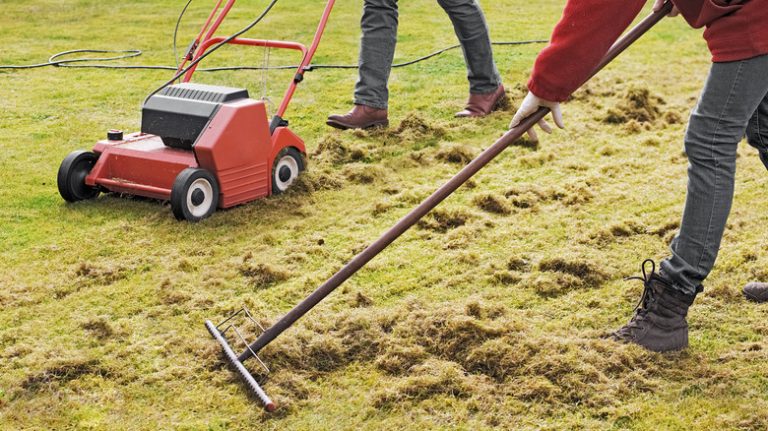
(757, 132)
(377, 51)
(732, 94)
(472, 30)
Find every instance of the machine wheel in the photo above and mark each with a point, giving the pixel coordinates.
(71, 177)
(195, 195)
(288, 165)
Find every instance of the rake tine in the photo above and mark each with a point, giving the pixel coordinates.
(240, 336)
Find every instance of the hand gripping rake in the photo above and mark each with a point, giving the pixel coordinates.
(403, 225)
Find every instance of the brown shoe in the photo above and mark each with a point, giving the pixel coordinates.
(360, 117)
(480, 105)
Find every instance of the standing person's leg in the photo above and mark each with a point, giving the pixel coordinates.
(377, 51)
(757, 135)
(718, 123)
(485, 88)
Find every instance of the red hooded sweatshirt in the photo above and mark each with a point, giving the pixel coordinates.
(736, 30)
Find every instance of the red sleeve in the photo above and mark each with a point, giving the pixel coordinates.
(583, 36)
(699, 13)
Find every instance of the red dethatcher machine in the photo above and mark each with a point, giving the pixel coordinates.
(202, 147)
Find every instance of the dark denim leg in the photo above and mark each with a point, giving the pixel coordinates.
(757, 132)
(472, 30)
(377, 51)
(718, 123)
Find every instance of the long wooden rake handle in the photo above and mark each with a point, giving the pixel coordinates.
(420, 211)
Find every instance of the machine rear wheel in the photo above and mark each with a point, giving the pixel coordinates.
(71, 177)
(195, 195)
(288, 166)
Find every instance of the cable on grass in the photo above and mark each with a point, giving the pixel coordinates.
(56, 61)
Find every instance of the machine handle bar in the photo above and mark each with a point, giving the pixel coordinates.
(307, 53)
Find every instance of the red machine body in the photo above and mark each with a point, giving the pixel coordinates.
(236, 147)
(201, 147)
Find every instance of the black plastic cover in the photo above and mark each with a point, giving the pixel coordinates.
(179, 113)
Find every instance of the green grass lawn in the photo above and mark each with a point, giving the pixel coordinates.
(491, 320)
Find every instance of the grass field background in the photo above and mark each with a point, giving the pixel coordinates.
(486, 316)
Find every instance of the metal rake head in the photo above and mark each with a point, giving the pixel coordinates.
(229, 325)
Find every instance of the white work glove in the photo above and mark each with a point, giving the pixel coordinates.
(530, 105)
(659, 3)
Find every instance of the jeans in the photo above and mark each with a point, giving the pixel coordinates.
(734, 103)
(377, 48)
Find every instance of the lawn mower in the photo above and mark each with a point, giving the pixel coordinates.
(200, 146)
(266, 336)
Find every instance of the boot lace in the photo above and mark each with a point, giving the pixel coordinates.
(648, 297)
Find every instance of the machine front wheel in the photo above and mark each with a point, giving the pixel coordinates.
(71, 177)
(195, 195)
(288, 166)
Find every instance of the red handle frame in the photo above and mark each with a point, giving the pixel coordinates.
(205, 39)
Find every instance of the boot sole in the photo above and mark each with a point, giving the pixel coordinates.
(675, 342)
(342, 126)
(666, 350)
(672, 343)
(646, 347)
(754, 298)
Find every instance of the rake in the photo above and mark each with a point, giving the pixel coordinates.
(359, 261)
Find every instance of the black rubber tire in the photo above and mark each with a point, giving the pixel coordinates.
(281, 184)
(183, 195)
(71, 177)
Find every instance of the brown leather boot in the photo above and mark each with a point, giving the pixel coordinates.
(360, 117)
(480, 105)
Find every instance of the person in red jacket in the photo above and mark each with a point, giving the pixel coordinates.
(734, 103)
